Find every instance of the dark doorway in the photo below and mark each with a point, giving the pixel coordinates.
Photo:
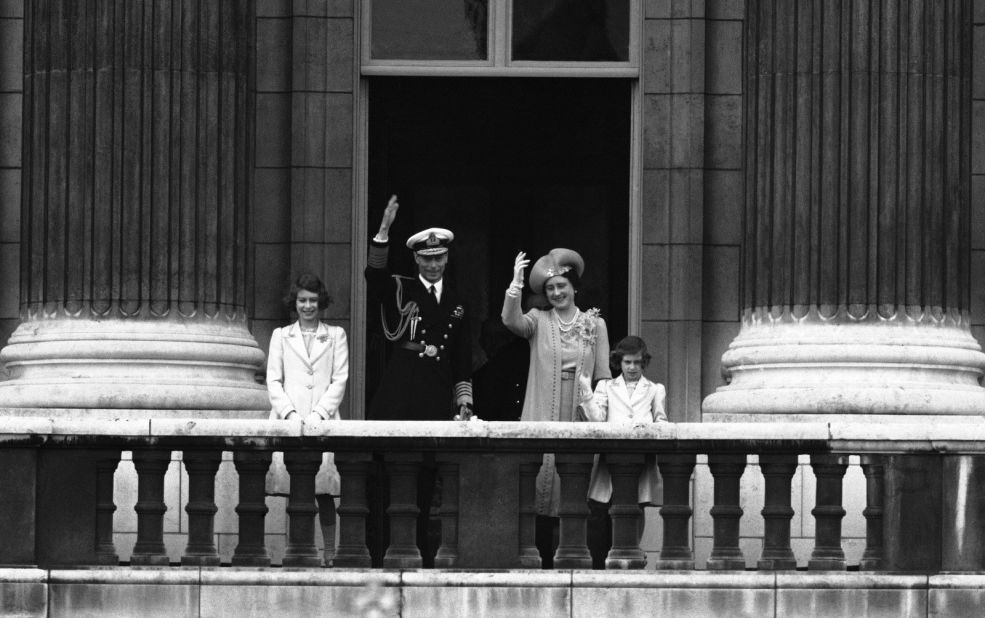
(507, 165)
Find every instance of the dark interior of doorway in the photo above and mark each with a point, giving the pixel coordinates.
(519, 164)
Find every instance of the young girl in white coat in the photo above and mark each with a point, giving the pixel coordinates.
(629, 399)
(307, 369)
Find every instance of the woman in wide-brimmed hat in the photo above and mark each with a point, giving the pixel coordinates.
(566, 344)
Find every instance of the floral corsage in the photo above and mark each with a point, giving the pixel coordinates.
(585, 326)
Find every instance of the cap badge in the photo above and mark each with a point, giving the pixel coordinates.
(432, 240)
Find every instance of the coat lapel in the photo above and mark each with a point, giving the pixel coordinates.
(320, 344)
(296, 342)
(641, 391)
(619, 389)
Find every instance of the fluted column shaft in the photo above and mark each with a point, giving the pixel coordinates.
(856, 269)
(136, 122)
(857, 148)
(137, 151)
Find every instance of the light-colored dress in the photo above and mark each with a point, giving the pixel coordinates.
(612, 402)
(557, 359)
(306, 376)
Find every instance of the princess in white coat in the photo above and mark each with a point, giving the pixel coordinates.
(307, 370)
(629, 399)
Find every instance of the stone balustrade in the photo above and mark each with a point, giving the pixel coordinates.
(65, 467)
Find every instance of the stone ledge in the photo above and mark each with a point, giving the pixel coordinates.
(272, 576)
(853, 581)
(449, 436)
(432, 594)
(675, 579)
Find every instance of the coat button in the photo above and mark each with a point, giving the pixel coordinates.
(309, 386)
(424, 331)
(310, 372)
(446, 335)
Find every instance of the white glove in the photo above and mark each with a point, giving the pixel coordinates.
(585, 391)
(520, 263)
(313, 418)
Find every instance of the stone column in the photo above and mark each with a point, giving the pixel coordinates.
(135, 181)
(857, 232)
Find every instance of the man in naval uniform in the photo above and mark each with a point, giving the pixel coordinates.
(431, 362)
(428, 375)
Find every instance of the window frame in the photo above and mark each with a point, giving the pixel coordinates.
(499, 37)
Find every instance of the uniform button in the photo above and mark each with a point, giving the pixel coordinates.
(309, 386)
(442, 347)
(310, 372)
(446, 335)
(421, 355)
(437, 358)
(449, 324)
(423, 331)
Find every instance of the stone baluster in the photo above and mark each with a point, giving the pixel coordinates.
(151, 465)
(778, 470)
(828, 512)
(352, 551)
(572, 550)
(201, 508)
(301, 550)
(529, 556)
(252, 509)
(447, 554)
(874, 469)
(676, 511)
(625, 512)
(403, 470)
(105, 507)
(727, 471)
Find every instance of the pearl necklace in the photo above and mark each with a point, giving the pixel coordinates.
(566, 326)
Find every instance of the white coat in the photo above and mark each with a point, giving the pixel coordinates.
(612, 403)
(305, 383)
(297, 380)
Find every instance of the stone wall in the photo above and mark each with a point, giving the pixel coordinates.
(303, 197)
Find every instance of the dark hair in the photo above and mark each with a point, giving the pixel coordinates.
(571, 276)
(628, 345)
(310, 283)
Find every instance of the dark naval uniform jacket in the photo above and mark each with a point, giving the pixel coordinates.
(423, 374)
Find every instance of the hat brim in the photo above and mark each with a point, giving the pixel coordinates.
(557, 263)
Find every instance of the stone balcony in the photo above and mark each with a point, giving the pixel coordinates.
(61, 558)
